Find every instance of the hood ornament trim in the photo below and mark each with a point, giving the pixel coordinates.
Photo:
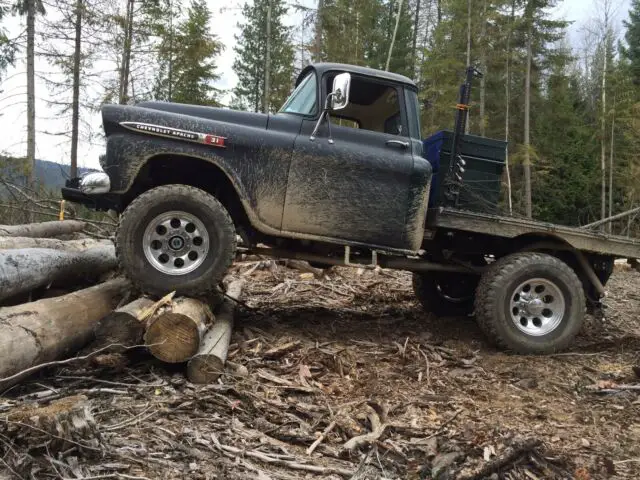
(176, 133)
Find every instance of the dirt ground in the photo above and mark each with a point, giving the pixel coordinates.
(350, 355)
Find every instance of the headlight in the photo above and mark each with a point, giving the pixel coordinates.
(96, 182)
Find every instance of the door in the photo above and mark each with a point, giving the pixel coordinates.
(357, 187)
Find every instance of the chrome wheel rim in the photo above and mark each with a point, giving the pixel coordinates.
(175, 243)
(537, 307)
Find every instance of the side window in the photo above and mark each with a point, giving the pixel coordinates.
(372, 106)
(303, 99)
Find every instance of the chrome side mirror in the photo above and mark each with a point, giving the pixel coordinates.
(340, 91)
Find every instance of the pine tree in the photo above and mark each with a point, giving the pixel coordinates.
(194, 68)
(632, 36)
(250, 65)
(7, 48)
(168, 47)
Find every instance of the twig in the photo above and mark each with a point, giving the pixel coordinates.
(57, 363)
(321, 438)
(263, 457)
(446, 422)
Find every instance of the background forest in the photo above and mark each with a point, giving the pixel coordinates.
(569, 110)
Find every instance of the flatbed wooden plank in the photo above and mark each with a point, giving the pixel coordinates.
(511, 227)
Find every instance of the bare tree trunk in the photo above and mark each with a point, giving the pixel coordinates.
(613, 127)
(126, 54)
(395, 33)
(75, 106)
(267, 61)
(31, 93)
(527, 128)
(318, 36)
(171, 33)
(467, 126)
(439, 11)
(416, 23)
(603, 131)
(483, 66)
(508, 106)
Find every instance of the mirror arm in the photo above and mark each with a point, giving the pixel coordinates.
(325, 113)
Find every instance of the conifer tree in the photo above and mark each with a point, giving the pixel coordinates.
(194, 71)
(632, 36)
(250, 64)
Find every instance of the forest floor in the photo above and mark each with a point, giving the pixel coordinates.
(346, 355)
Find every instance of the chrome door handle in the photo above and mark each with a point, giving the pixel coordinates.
(397, 143)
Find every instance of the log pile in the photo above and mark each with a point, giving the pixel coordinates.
(46, 316)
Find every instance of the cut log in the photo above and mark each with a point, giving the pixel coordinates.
(175, 334)
(208, 364)
(25, 269)
(45, 330)
(11, 243)
(124, 326)
(43, 229)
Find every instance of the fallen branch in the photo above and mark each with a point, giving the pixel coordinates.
(377, 418)
(509, 455)
(263, 457)
(321, 438)
(43, 229)
(58, 363)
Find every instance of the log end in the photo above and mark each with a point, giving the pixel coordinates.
(173, 338)
(204, 369)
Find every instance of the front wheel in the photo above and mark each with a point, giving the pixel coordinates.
(175, 237)
(530, 303)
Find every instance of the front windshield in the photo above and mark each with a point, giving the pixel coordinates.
(303, 99)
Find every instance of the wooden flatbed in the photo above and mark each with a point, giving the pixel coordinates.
(513, 227)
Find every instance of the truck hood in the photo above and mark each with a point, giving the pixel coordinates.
(252, 119)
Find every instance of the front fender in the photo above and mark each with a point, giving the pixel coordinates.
(258, 173)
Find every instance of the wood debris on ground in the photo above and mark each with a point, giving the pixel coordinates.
(338, 375)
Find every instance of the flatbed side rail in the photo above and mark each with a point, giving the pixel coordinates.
(512, 227)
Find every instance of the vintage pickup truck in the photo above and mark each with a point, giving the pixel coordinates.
(337, 177)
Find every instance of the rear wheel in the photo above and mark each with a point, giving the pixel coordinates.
(446, 294)
(175, 237)
(530, 303)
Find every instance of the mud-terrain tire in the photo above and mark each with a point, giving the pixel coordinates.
(434, 292)
(175, 237)
(531, 303)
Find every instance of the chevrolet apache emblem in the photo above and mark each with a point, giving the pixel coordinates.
(160, 131)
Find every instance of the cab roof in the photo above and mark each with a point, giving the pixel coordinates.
(321, 68)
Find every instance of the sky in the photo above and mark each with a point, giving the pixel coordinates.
(13, 131)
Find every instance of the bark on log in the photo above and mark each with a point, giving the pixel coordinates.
(208, 364)
(43, 229)
(25, 269)
(174, 336)
(46, 330)
(12, 243)
(124, 326)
